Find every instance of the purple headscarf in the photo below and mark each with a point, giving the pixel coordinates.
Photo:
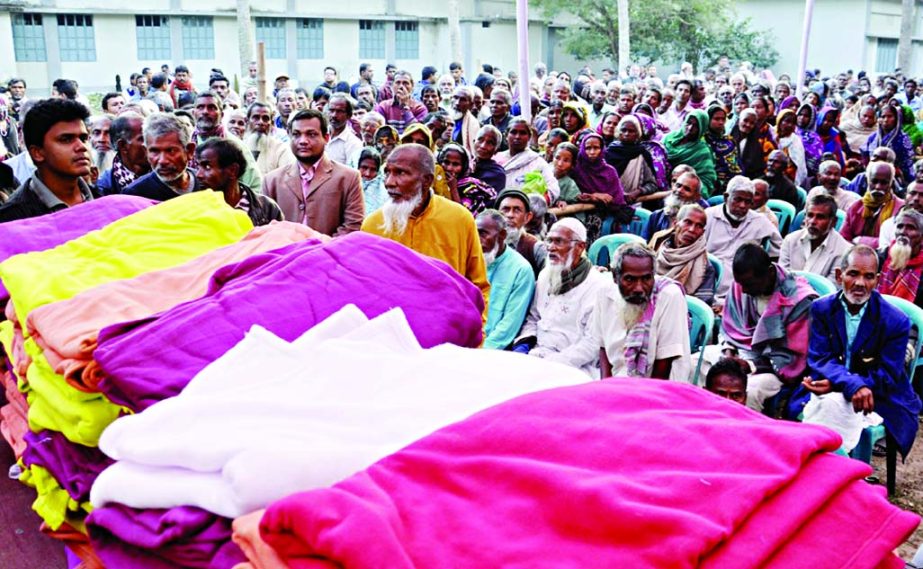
(597, 176)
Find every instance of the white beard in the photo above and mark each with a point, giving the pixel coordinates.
(103, 160)
(554, 273)
(491, 256)
(256, 142)
(899, 254)
(513, 236)
(396, 215)
(629, 312)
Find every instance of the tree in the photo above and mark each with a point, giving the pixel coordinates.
(697, 31)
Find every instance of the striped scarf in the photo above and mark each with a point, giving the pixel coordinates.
(637, 341)
(902, 283)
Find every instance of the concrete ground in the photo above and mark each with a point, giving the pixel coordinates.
(22, 546)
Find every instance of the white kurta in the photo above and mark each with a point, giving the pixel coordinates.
(561, 323)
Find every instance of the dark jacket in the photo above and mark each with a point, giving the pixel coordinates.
(263, 209)
(25, 203)
(781, 188)
(151, 187)
(876, 361)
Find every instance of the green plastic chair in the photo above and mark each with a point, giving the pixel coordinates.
(719, 270)
(802, 198)
(639, 221)
(609, 243)
(799, 220)
(874, 434)
(702, 326)
(820, 284)
(784, 211)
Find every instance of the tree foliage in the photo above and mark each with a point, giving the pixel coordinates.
(698, 31)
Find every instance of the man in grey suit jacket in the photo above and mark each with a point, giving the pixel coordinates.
(322, 194)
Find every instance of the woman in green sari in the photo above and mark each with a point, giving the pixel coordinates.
(687, 146)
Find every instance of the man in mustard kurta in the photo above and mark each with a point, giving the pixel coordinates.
(429, 224)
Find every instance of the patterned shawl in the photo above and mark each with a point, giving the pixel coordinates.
(902, 283)
(781, 332)
(637, 341)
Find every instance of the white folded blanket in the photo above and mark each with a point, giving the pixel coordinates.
(271, 418)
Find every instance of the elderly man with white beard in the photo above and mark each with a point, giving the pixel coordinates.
(817, 247)
(511, 279)
(639, 323)
(103, 153)
(902, 263)
(466, 127)
(416, 217)
(268, 150)
(687, 189)
(856, 357)
(558, 325)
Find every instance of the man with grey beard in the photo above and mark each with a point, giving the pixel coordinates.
(103, 152)
(512, 282)
(817, 247)
(635, 322)
(558, 325)
(902, 263)
(687, 189)
(856, 357)
(466, 127)
(432, 225)
(270, 152)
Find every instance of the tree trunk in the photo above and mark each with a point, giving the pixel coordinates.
(624, 38)
(244, 36)
(905, 44)
(454, 31)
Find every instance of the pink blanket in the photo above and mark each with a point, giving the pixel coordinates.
(617, 473)
(67, 330)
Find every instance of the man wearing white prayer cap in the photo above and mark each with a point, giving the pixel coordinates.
(558, 325)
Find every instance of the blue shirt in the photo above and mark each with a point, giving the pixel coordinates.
(512, 284)
(852, 327)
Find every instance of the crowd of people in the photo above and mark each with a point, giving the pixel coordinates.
(452, 167)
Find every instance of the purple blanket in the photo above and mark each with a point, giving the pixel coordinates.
(286, 291)
(74, 466)
(48, 231)
(162, 539)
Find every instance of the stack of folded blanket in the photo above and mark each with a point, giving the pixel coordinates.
(135, 272)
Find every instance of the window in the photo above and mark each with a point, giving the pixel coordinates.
(886, 58)
(198, 37)
(271, 31)
(153, 37)
(406, 40)
(29, 37)
(75, 33)
(310, 38)
(371, 39)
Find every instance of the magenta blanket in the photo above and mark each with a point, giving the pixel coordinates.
(617, 473)
(286, 291)
(162, 539)
(47, 231)
(74, 466)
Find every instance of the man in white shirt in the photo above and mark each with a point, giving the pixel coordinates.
(639, 324)
(815, 248)
(557, 327)
(733, 223)
(828, 180)
(343, 144)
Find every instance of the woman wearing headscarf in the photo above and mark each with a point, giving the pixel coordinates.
(813, 145)
(486, 145)
(741, 102)
(829, 135)
(910, 127)
(575, 121)
(790, 143)
(659, 128)
(608, 127)
(891, 135)
(687, 146)
(858, 129)
(473, 193)
(751, 153)
(631, 160)
(722, 147)
(655, 149)
(600, 185)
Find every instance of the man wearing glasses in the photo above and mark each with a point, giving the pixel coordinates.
(557, 327)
